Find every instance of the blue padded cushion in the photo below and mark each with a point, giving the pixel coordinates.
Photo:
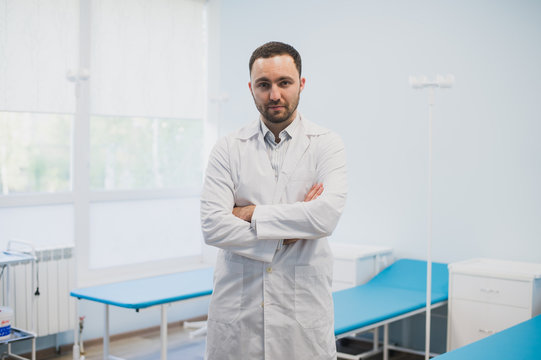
(397, 290)
(411, 274)
(152, 291)
(521, 341)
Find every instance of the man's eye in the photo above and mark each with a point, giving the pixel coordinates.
(263, 85)
(285, 83)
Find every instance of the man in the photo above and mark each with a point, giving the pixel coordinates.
(274, 190)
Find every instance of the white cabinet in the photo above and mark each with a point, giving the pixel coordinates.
(356, 264)
(487, 296)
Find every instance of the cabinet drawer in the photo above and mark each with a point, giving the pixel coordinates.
(472, 321)
(491, 290)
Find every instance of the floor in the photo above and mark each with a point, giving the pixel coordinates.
(145, 346)
(180, 347)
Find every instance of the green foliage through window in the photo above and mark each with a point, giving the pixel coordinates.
(35, 152)
(128, 153)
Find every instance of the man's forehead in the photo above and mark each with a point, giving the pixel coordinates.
(275, 66)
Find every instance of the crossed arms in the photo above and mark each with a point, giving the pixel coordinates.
(227, 226)
(245, 212)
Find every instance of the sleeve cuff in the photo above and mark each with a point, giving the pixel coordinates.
(253, 226)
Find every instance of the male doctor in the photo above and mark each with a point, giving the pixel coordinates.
(274, 190)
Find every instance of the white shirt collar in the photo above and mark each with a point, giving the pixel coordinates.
(289, 131)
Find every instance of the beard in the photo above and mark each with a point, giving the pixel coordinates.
(278, 116)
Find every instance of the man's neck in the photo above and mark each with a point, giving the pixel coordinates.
(276, 128)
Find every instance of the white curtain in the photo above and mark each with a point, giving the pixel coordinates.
(148, 58)
(38, 46)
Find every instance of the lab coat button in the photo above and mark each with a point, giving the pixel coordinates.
(262, 304)
(269, 270)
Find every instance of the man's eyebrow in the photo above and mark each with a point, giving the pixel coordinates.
(285, 78)
(263, 78)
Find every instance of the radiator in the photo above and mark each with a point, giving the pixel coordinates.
(54, 309)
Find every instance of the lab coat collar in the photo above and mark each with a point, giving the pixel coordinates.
(309, 129)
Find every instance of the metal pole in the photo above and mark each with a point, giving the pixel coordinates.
(76, 350)
(376, 339)
(163, 332)
(386, 341)
(429, 242)
(106, 334)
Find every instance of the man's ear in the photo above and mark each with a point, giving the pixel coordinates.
(302, 82)
(250, 86)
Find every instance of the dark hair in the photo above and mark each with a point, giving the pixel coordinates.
(275, 48)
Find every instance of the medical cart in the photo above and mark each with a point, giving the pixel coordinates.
(7, 259)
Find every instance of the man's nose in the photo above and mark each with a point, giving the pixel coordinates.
(275, 93)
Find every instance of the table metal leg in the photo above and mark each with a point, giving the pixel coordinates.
(386, 342)
(106, 334)
(163, 332)
(376, 339)
(76, 350)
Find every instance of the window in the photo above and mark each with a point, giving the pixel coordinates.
(38, 44)
(102, 118)
(147, 90)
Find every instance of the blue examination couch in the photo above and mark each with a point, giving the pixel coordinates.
(399, 291)
(144, 293)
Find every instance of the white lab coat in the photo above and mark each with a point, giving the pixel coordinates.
(268, 302)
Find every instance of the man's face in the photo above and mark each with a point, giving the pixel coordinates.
(275, 86)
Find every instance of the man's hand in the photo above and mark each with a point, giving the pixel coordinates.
(244, 212)
(313, 193)
(289, 241)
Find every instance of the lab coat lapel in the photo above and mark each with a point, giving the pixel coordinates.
(253, 131)
(297, 148)
(264, 157)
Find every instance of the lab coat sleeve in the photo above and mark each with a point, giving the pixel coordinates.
(219, 226)
(313, 219)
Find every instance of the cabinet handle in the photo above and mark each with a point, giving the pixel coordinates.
(490, 291)
(486, 331)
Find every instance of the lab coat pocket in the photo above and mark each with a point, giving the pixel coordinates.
(313, 299)
(227, 295)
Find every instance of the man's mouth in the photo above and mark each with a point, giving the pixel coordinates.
(276, 107)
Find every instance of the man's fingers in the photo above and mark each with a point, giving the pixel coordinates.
(289, 241)
(244, 212)
(314, 192)
(319, 192)
(311, 192)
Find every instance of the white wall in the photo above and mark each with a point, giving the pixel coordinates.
(357, 58)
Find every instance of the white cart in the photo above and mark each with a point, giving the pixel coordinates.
(8, 258)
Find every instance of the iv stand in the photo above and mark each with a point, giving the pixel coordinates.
(421, 83)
